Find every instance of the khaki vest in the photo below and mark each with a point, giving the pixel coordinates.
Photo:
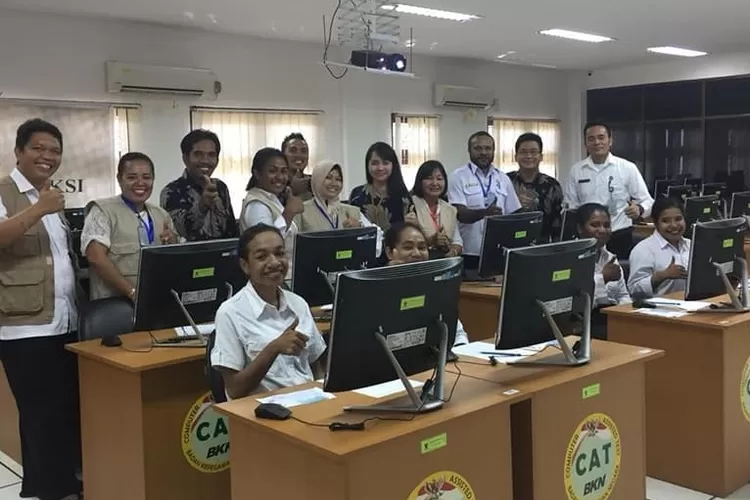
(27, 286)
(125, 246)
(312, 219)
(447, 217)
(266, 198)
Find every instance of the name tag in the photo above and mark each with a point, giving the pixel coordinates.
(583, 181)
(471, 185)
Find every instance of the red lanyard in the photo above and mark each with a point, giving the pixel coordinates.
(435, 216)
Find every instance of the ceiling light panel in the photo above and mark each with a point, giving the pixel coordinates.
(576, 35)
(676, 51)
(434, 13)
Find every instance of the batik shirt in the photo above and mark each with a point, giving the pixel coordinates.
(543, 194)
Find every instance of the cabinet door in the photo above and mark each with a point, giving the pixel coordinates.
(674, 148)
(728, 151)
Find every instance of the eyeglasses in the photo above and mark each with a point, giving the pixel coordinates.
(526, 152)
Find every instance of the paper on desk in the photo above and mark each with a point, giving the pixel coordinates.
(326, 307)
(475, 350)
(297, 398)
(689, 306)
(662, 313)
(386, 388)
(188, 330)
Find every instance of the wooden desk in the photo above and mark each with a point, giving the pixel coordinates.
(10, 442)
(478, 309)
(386, 461)
(643, 230)
(697, 399)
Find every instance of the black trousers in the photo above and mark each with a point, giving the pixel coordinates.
(621, 243)
(43, 378)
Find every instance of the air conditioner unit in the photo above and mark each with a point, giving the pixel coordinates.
(147, 79)
(463, 97)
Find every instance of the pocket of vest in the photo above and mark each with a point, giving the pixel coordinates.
(126, 257)
(23, 292)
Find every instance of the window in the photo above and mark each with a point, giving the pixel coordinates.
(94, 138)
(415, 139)
(243, 132)
(506, 133)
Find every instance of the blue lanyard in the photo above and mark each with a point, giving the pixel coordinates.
(485, 189)
(148, 226)
(334, 223)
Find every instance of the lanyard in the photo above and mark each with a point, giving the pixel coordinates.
(485, 188)
(435, 216)
(334, 223)
(148, 226)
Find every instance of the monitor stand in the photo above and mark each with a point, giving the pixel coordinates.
(431, 400)
(568, 357)
(738, 303)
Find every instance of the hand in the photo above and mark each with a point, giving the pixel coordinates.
(493, 210)
(291, 342)
(300, 185)
(611, 271)
(293, 204)
(51, 200)
(351, 222)
(633, 211)
(441, 239)
(411, 216)
(167, 236)
(674, 271)
(210, 194)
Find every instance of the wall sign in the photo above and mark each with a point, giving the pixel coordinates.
(205, 437)
(592, 460)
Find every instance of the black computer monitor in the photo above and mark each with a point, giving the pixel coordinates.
(185, 284)
(319, 256)
(740, 204)
(682, 193)
(569, 230)
(661, 185)
(717, 254)
(547, 291)
(702, 209)
(502, 232)
(393, 322)
(696, 183)
(75, 218)
(717, 188)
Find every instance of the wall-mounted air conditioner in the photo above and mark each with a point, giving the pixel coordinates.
(148, 79)
(463, 97)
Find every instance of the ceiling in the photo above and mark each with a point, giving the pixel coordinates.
(716, 26)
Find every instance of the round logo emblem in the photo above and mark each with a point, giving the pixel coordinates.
(205, 437)
(745, 390)
(592, 460)
(445, 485)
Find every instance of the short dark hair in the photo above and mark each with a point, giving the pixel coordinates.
(596, 124)
(425, 170)
(393, 235)
(587, 210)
(249, 235)
(195, 136)
(296, 136)
(530, 137)
(132, 157)
(480, 133)
(664, 203)
(396, 187)
(260, 160)
(33, 126)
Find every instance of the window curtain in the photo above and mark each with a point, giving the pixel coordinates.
(506, 132)
(415, 139)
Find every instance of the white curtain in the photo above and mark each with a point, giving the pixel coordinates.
(94, 137)
(506, 132)
(415, 139)
(242, 133)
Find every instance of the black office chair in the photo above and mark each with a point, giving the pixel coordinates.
(215, 381)
(105, 318)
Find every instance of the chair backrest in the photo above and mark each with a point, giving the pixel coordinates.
(215, 380)
(105, 318)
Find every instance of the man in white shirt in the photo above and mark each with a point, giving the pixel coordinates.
(38, 315)
(266, 337)
(478, 190)
(611, 181)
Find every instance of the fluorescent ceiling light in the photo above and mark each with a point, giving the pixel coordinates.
(676, 51)
(506, 54)
(576, 35)
(423, 11)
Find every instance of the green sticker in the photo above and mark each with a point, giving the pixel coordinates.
(412, 303)
(344, 254)
(204, 272)
(434, 443)
(561, 275)
(728, 243)
(591, 391)
(521, 234)
(707, 210)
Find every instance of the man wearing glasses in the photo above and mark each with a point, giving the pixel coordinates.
(536, 191)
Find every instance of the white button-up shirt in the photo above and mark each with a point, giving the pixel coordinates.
(65, 318)
(246, 324)
(613, 292)
(470, 187)
(613, 184)
(655, 254)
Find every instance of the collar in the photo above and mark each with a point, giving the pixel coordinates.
(474, 169)
(536, 180)
(22, 183)
(589, 162)
(663, 243)
(258, 306)
(190, 180)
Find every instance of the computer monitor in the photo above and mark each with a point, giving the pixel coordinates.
(75, 218)
(740, 204)
(548, 289)
(569, 229)
(393, 322)
(717, 254)
(502, 232)
(320, 256)
(661, 185)
(681, 193)
(717, 188)
(702, 209)
(185, 284)
(696, 183)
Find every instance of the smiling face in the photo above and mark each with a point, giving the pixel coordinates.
(40, 158)
(332, 185)
(598, 143)
(410, 247)
(598, 227)
(433, 186)
(482, 151)
(274, 176)
(380, 169)
(298, 155)
(529, 155)
(671, 225)
(267, 262)
(136, 181)
(202, 160)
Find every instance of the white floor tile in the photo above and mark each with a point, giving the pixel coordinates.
(7, 477)
(11, 464)
(741, 494)
(11, 492)
(659, 490)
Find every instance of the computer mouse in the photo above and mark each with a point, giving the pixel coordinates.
(272, 411)
(112, 341)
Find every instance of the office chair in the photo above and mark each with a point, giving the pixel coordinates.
(105, 318)
(215, 381)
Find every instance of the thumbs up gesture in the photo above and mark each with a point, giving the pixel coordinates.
(291, 342)
(411, 216)
(441, 239)
(51, 200)
(633, 211)
(675, 271)
(611, 271)
(210, 194)
(351, 222)
(166, 236)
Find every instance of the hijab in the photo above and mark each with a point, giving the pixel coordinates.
(319, 174)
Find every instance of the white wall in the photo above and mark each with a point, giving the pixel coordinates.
(56, 57)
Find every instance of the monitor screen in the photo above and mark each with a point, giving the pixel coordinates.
(681, 193)
(569, 230)
(661, 185)
(502, 232)
(717, 188)
(702, 209)
(740, 204)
